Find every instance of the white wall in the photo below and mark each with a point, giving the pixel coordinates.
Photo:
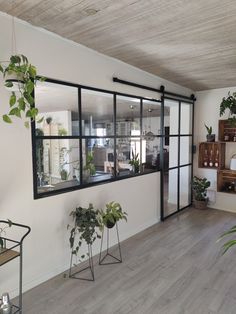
(207, 111)
(46, 250)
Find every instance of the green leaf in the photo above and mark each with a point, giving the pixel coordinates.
(32, 71)
(15, 59)
(29, 98)
(24, 58)
(6, 118)
(29, 86)
(15, 112)
(1, 68)
(34, 112)
(21, 103)
(8, 84)
(28, 114)
(12, 99)
(228, 245)
(40, 120)
(26, 124)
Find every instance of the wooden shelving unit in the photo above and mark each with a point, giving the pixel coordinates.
(226, 181)
(226, 178)
(7, 255)
(212, 146)
(225, 127)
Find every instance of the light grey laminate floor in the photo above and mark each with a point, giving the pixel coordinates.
(174, 267)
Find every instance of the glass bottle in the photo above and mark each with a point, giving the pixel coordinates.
(226, 136)
(217, 159)
(205, 159)
(211, 159)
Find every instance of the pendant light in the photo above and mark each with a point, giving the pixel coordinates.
(149, 136)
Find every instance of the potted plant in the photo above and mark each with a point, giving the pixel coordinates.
(210, 137)
(85, 225)
(2, 232)
(112, 213)
(20, 77)
(134, 162)
(199, 187)
(89, 168)
(230, 104)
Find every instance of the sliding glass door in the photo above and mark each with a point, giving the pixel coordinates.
(177, 156)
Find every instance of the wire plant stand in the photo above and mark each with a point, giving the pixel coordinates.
(75, 274)
(14, 249)
(116, 260)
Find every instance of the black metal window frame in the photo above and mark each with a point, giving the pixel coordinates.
(80, 137)
(179, 166)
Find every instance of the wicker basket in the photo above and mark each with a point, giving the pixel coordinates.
(200, 204)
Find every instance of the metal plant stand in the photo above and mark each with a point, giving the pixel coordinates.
(14, 248)
(116, 260)
(75, 274)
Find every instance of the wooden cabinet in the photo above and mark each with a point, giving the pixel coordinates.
(213, 150)
(226, 181)
(227, 131)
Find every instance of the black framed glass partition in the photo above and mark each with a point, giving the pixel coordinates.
(91, 136)
(177, 175)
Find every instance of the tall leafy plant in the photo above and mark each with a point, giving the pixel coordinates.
(200, 186)
(21, 72)
(85, 226)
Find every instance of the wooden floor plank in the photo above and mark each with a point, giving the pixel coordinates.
(173, 267)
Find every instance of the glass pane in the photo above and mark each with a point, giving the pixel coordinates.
(185, 150)
(151, 154)
(57, 163)
(151, 118)
(171, 116)
(170, 191)
(128, 156)
(58, 104)
(98, 159)
(185, 186)
(173, 152)
(97, 113)
(186, 118)
(127, 116)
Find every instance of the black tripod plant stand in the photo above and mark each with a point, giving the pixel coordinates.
(76, 274)
(116, 260)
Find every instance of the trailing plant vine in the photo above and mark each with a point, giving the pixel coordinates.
(22, 100)
(86, 223)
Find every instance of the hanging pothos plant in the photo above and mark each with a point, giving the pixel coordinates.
(21, 75)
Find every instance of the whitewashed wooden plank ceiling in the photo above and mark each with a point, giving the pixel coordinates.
(192, 43)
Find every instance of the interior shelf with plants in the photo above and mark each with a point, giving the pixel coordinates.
(211, 155)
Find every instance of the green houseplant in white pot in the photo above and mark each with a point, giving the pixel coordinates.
(20, 78)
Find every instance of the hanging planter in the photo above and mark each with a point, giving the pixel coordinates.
(20, 78)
